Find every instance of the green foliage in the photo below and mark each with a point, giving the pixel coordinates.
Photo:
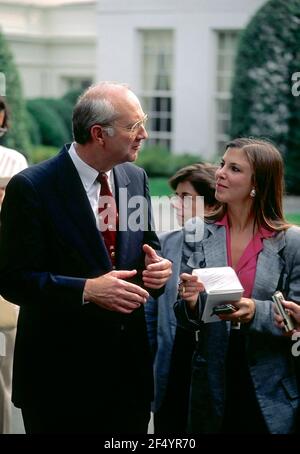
(17, 136)
(262, 101)
(52, 128)
(33, 129)
(159, 187)
(159, 162)
(49, 120)
(72, 96)
(64, 110)
(41, 153)
(292, 161)
(293, 218)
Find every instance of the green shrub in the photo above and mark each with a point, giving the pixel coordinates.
(159, 186)
(293, 218)
(183, 160)
(33, 129)
(41, 153)
(64, 110)
(159, 162)
(72, 95)
(52, 128)
(17, 137)
(262, 101)
(49, 120)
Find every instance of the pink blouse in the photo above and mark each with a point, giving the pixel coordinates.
(246, 266)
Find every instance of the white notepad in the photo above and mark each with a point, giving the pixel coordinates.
(221, 285)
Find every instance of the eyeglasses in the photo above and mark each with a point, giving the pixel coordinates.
(177, 201)
(136, 126)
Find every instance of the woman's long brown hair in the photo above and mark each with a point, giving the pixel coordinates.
(268, 182)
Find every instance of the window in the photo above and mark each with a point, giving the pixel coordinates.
(75, 83)
(157, 84)
(226, 52)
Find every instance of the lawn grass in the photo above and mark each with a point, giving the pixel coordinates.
(159, 186)
(40, 153)
(293, 218)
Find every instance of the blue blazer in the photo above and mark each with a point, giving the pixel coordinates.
(160, 317)
(271, 364)
(49, 246)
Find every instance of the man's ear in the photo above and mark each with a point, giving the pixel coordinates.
(97, 134)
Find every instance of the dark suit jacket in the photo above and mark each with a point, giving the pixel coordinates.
(49, 246)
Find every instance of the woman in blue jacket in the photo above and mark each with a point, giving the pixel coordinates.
(173, 345)
(244, 380)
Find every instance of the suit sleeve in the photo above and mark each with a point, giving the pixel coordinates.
(150, 236)
(24, 263)
(150, 233)
(151, 314)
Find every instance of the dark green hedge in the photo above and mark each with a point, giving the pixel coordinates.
(64, 110)
(42, 152)
(72, 95)
(52, 128)
(159, 162)
(262, 100)
(50, 119)
(33, 129)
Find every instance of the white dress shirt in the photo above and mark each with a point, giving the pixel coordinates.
(88, 176)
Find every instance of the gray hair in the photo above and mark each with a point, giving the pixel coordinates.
(93, 107)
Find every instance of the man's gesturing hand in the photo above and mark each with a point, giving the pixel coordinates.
(113, 293)
(158, 270)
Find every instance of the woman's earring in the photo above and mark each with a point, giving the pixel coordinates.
(252, 193)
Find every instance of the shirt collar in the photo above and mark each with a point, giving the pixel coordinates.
(265, 233)
(86, 173)
(223, 221)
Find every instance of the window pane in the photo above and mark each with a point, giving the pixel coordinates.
(226, 51)
(223, 126)
(221, 144)
(157, 82)
(223, 106)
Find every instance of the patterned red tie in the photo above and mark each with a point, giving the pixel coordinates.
(108, 217)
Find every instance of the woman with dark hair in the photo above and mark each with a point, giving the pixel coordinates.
(11, 162)
(244, 376)
(172, 344)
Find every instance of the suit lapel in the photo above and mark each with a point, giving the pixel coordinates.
(215, 253)
(269, 267)
(122, 196)
(211, 251)
(172, 250)
(214, 247)
(72, 190)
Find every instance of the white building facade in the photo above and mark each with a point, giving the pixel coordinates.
(53, 42)
(178, 56)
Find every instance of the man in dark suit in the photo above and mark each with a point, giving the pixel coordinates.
(82, 362)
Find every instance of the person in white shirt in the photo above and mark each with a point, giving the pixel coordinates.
(11, 162)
